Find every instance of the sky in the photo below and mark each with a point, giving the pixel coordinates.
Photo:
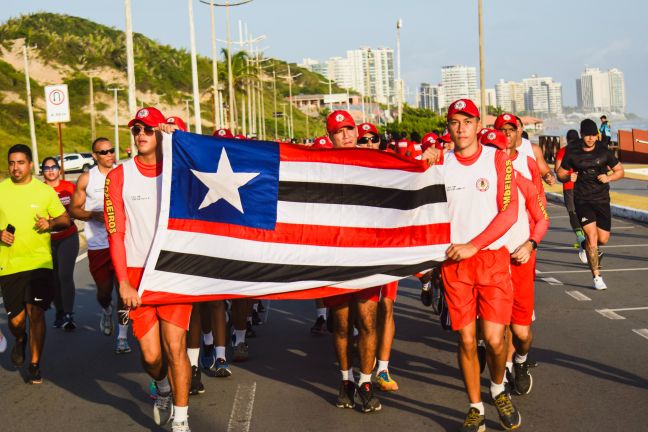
(556, 38)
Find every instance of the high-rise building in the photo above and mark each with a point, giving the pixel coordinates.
(510, 96)
(601, 91)
(459, 82)
(425, 96)
(542, 95)
(617, 91)
(314, 66)
(432, 97)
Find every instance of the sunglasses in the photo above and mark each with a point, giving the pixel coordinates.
(110, 150)
(367, 140)
(51, 168)
(148, 130)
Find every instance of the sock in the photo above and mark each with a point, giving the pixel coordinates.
(321, 312)
(123, 331)
(580, 235)
(208, 338)
(479, 406)
(383, 365)
(255, 307)
(180, 414)
(364, 378)
(163, 385)
(355, 331)
(347, 375)
(240, 336)
(509, 366)
(193, 354)
(520, 358)
(496, 389)
(220, 352)
(108, 310)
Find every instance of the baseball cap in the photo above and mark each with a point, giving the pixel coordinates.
(464, 106)
(445, 137)
(495, 138)
(223, 133)
(430, 139)
(365, 128)
(178, 122)
(322, 142)
(240, 137)
(505, 118)
(339, 119)
(149, 116)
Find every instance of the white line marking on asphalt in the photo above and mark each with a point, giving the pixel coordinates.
(624, 227)
(295, 351)
(578, 295)
(267, 313)
(630, 309)
(641, 332)
(241, 416)
(600, 247)
(607, 313)
(552, 281)
(588, 271)
(82, 256)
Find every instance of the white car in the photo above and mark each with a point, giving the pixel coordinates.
(77, 161)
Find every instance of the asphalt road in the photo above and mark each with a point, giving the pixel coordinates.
(591, 348)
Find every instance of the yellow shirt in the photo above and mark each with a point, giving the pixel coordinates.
(19, 206)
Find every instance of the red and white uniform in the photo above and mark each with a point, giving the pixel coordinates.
(65, 190)
(528, 167)
(99, 262)
(526, 149)
(559, 157)
(483, 205)
(131, 210)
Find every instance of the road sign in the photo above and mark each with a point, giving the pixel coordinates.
(57, 103)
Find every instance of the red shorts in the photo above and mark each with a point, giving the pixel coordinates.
(146, 316)
(371, 294)
(523, 278)
(390, 290)
(101, 266)
(480, 285)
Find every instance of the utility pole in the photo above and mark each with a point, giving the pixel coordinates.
(130, 67)
(290, 78)
(194, 70)
(116, 103)
(481, 61)
(187, 114)
(217, 102)
(93, 129)
(30, 109)
(274, 92)
(399, 24)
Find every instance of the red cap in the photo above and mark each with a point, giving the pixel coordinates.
(365, 128)
(430, 139)
(223, 133)
(463, 106)
(149, 116)
(322, 142)
(445, 137)
(505, 118)
(494, 137)
(178, 122)
(339, 119)
(482, 132)
(240, 136)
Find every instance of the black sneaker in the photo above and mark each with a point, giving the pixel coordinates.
(68, 322)
(481, 356)
(523, 378)
(510, 417)
(346, 395)
(370, 402)
(18, 352)
(509, 381)
(34, 374)
(474, 422)
(59, 320)
(319, 328)
(256, 318)
(197, 386)
(260, 307)
(329, 321)
(249, 331)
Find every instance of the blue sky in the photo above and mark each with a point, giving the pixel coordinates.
(556, 38)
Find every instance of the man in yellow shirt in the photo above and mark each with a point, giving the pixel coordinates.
(29, 210)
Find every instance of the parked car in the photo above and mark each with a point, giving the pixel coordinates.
(80, 162)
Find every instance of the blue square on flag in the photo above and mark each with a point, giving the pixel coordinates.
(224, 180)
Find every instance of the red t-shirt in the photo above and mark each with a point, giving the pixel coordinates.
(559, 157)
(65, 190)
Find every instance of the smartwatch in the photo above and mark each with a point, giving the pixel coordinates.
(534, 245)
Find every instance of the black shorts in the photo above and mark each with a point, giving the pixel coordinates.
(27, 287)
(593, 212)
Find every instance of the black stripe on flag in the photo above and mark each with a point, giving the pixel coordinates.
(226, 269)
(361, 195)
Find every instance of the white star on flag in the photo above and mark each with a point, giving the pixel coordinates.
(224, 183)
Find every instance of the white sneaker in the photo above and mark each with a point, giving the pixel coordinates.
(106, 324)
(582, 255)
(163, 409)
(599, 284)
(3, 343)
(182, 426)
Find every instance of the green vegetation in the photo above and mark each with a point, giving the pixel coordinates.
(417, 121)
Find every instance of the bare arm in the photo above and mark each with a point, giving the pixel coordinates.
(617, 174)
(545, 171)
(77, 205)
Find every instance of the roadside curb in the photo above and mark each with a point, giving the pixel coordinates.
(617, 210)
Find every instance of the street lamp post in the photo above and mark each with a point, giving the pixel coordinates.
(330, 93)
(274, 94)
(130, 67)
(194, 70)
(399, 24)
(30, 109)
(116, 102)
(186, 101)
(481, 61)
(290, 78)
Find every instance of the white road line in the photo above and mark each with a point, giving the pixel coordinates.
(588, 271)
(641, 332)
(241, 416)
(552, 281)
(82, 256)
(578, 295)
(624, 227)
(607, 313)
(600, 247)
(629, 309)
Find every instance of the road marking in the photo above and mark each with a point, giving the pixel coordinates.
(612, 313)
(81, 257)
(578, 295)
(624, 227)
(600, 247)
(589, 271)
(552, 281)
(241, 416)
(641, 332)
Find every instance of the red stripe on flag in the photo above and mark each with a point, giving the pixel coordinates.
(318, 235)
(351, 156)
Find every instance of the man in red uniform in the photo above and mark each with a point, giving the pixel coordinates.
(132, 203)
(483, 205)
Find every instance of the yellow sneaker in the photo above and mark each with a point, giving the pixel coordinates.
(385, 381)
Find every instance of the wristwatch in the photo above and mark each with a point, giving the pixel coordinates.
(534, 245)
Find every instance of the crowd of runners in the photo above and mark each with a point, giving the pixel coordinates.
(497, 209)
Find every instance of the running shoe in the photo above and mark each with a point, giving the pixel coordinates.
(106, 324)
(474, 422)
(122, 346)
(509, 381)
(599, 284)
(241, 353)
(68, 322)
(3, 343)
(208, 358)
(510, 417)
(18, 352)
(385, 381)
(249, 331)
(182, 426)
(163, 408)
(523, 378)
(222, 369)
(346, 395)
(34, 374)
(256, 318)
(481, 355)
(59, 320)
(197, 386)
(261, 308)
(369, 401)
(153, 392)
(319, 328)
